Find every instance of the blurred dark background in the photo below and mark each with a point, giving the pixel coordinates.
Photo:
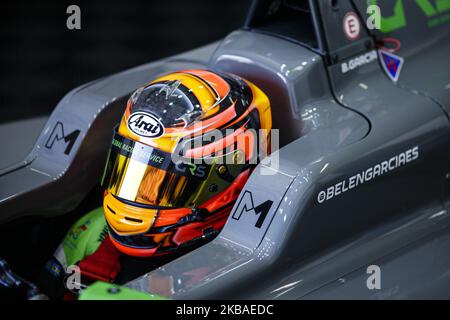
(41, 59)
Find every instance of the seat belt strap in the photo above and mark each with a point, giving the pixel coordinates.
(103, 264)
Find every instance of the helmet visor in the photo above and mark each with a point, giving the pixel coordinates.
(139, 173)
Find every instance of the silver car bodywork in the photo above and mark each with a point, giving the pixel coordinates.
(333, 126)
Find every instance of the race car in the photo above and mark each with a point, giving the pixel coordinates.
(352, 204)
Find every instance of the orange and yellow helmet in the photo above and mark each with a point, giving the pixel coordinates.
(180, 156)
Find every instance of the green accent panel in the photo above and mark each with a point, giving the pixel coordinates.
(398, 19)
(394, 22)
(107, 291)
(85, 236)
(442, 5)
(426, 7)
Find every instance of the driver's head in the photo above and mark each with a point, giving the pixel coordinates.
(179, 158)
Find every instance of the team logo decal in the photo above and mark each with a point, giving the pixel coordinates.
(247, 205)
(352, 26)
(145, 125)
(59, 134)
(392, 64)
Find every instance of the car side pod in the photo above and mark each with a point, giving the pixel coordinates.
(354, 182)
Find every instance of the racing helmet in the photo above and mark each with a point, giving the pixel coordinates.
(179, 158)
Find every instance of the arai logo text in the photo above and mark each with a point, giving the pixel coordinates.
(145, 125)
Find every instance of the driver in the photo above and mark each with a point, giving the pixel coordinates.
(183, 150)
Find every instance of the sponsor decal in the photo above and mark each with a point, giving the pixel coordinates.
(76, 232)
(436, 13)
(145, 125)
(359, 61)
(196, 170)
(103, 234)
(369, 174)
(392, 64)
(352, 26)
(154, 157)
(143, 154)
